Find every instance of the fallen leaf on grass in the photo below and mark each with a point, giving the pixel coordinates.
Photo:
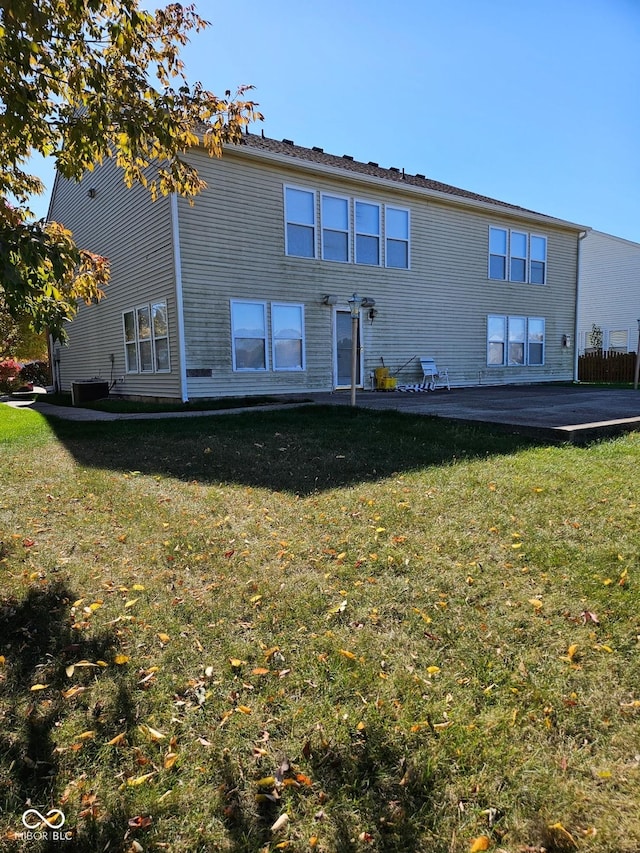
(117, 740)
(153, 734)
(347, 654)
(169, 760)
(559, 829)
(134, 781)
(282, 821)
(482, 842)
(39, 687)
(73, 691)
(588, 616)
(140, 822)
(120, 660)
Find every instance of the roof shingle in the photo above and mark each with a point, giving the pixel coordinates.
(317, 155)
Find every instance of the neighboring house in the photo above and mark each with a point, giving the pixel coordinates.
(246, 290)
(609, 295)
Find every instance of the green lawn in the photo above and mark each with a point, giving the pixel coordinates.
(371, 631)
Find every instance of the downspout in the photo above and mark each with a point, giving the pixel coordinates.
(177, 269)
(581, 237)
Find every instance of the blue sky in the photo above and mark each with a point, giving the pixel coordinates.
(534, 103)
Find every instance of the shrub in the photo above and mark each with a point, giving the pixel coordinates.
(9, 370)
(36, 372)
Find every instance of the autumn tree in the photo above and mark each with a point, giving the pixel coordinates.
(81, 81)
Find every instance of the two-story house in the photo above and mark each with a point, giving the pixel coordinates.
(246, 290)
(609, 296)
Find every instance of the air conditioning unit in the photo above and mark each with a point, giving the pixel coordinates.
(87, 390)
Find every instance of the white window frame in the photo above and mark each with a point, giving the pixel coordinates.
(523, 258)
(149, 306)
(506, 321)
(264, 338)
(499, 255)
(275, 337)
(406, 240)
(529, 341)
(156, 338)
(509, 256)
(358, 233)
(288, 221)
(536, 260)
(522, 339)
(503, 341)
(324, 228)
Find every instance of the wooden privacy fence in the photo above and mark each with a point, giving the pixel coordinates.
(606, 367)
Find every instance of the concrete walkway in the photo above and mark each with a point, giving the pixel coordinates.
(556, 412)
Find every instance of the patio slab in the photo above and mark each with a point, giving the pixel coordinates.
(559, 412)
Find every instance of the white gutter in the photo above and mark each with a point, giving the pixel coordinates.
(581, 237)
(177, 268)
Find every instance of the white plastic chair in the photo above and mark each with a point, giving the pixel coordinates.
(433, 376)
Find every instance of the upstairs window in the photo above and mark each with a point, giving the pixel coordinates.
(517, 256)
(397, 237)
(498, 253)
(538, 259)
(335, 228)
(300, 217)
(367, 233)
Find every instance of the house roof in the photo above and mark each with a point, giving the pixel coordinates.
(287, 148)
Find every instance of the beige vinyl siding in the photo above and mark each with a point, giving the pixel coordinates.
(232, 246)
(609, 288)
(135, 235)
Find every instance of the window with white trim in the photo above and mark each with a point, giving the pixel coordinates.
(146, 338)
(515, 341)
(396, 224)
(517, 256)
(287, 331)
(335, 228)
(367, 217)
(619, 341)
(249, 335)
(538, 270)
(300, 219)
(535, 340)
(251, 341)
